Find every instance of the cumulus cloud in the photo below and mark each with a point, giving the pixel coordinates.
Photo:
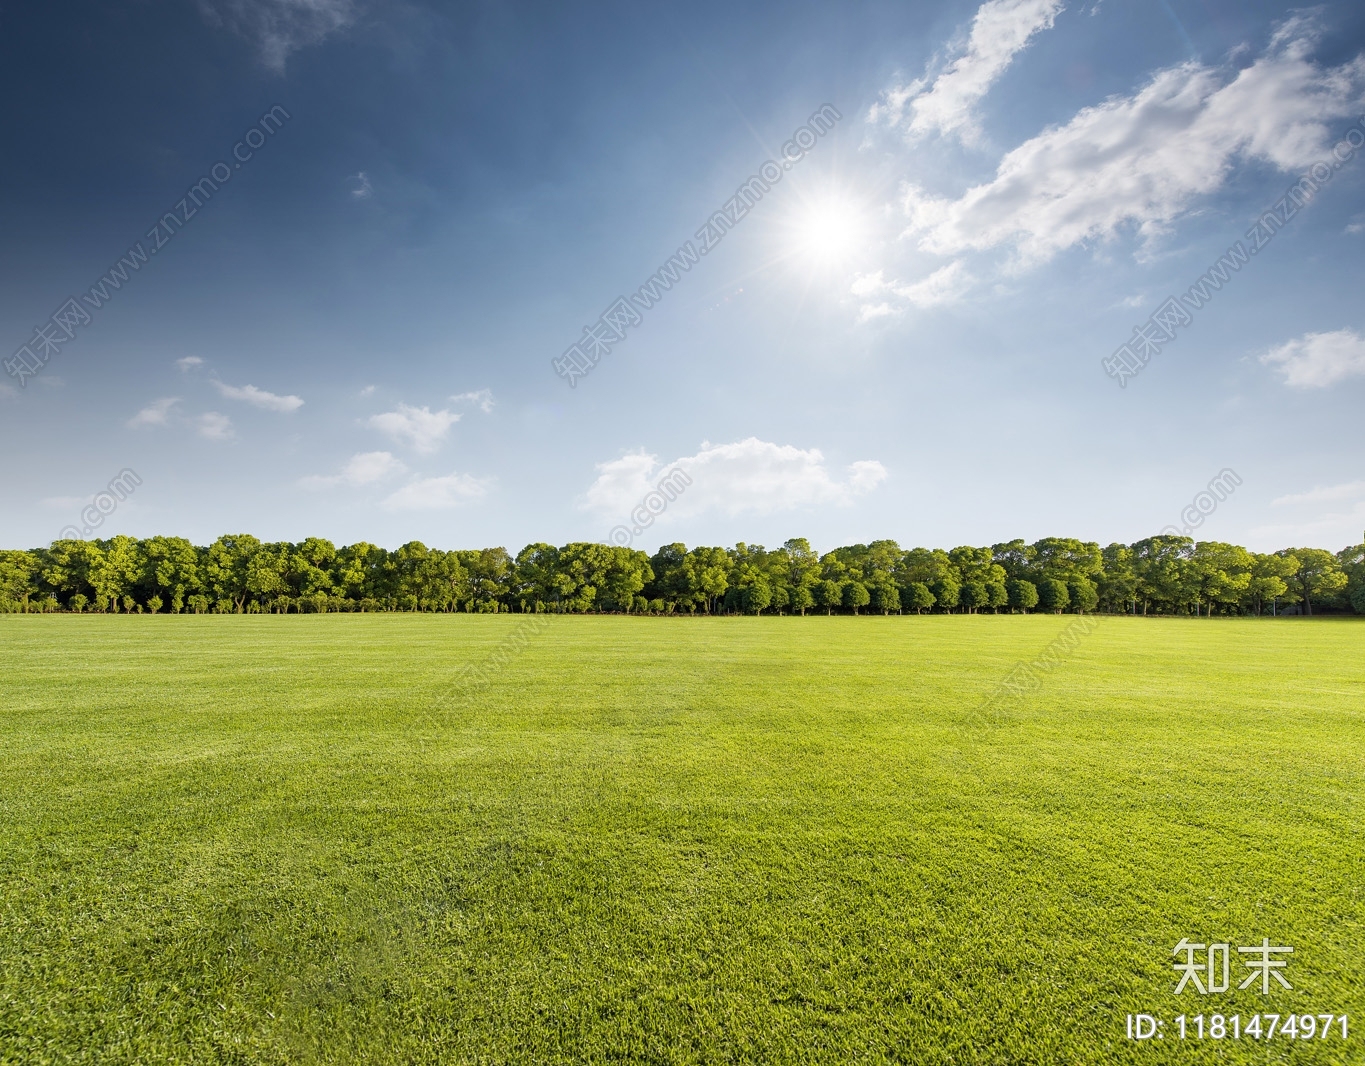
(746, 476)
(189, 362)
(279, 28)
(419, 427)
(1317, 360)
(1000, 30)
(483, 398)
(1330, 530)
(1331, 515)
(214, 426)
(156, 413)
(364, 468)
(438, 493)
(362, 189)
(1323, 494)
(1141, 161)
(267, 401)
(946, 285)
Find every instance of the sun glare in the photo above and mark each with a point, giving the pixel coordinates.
(829, 231)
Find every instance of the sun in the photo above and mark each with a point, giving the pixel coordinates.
(828, 231)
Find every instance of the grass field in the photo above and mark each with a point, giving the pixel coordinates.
(268, 839)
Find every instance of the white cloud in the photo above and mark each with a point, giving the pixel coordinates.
(746, 476)
(483, 397)
(8, 391)
(156, 413)
(419, 427)
(368, 390)
(946, 285)
(1323, 494)
(362, 190)
(214, 426)
(364, 468)
(1000, 30)
(1332, 530)
(438, 493)
(267, 401)
(1142, 160)
(1317, 360)
(280, 27)
(189, 362)
(64, 503)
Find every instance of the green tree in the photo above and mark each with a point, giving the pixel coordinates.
(1118, 580)
(708, 575)
(1352, 562)
(947, 592)
(229, 568)
(976, 566)
(1218, 573)
(1016, 559)
(973, 595)
(1023, 594)
(756, 596)
(1053, 595)
(537, 578)
(67, 567)
(1319, 574)
(1159, 565)
(171, 569)
(627, 573)
(1067, 559)
(18, 570)
(1270, 575)
(918, 597)
(118, 570)
(829, 595)
(1082, 594)
(885, 596)
(856, 595)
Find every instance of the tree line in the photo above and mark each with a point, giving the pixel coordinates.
(1169, 575)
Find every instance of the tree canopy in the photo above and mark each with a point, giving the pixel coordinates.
(238, 573)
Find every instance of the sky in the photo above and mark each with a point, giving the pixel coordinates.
(943, 317)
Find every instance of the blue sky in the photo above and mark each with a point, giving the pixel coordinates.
(354, 335)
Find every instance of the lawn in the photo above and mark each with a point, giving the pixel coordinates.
(283, 840)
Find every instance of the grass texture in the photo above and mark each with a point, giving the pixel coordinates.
(790, 840)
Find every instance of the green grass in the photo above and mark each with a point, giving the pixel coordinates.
(247, 839)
